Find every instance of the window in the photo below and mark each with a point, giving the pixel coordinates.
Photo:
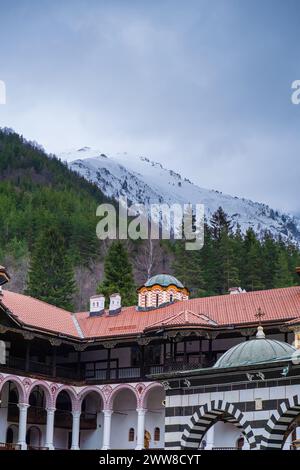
(135, 356)
(157, 434)
(153, 354)
(131, 435)
(157, 300)
(171, 297)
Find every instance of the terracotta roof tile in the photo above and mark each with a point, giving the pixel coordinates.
(277, 304)
(38, 314)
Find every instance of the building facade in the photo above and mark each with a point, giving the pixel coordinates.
(152, 375)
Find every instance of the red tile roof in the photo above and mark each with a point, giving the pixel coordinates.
(40, 315)
(208, 312)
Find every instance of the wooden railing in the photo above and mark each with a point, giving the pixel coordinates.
(100, 373)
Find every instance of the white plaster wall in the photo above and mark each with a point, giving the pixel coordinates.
(155, 416)
(121, 423)
(60, 439)
(153, 420)
(92, 439)
(123, 418)
(224, 435)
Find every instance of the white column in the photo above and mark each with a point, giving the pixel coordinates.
(140, 428)
(23, 407)
(75, 430)
(106, 429)
(50, 428)
(210, 438)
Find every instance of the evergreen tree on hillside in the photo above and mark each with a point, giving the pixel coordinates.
(228, 272)
(118, 276)
(271, 261)
(188, 268)
(51, 276)
(208, 259)
(220, 223)
(253, 263)
(282, 275)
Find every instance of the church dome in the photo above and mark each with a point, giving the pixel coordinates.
(164, 280)
(258, 350)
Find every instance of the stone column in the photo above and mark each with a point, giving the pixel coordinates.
(75, 430)
(140, 428)
(106, 429)
(50, 428)
(23, 407)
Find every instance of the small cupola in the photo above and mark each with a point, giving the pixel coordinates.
(97, 305)
(115, 304)
(161, 290)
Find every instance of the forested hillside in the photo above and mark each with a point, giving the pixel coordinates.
(39, 193)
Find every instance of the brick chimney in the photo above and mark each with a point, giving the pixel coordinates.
(97, 305)
(115, 304)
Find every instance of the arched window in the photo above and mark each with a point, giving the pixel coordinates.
(131, 435)
(157, 434)
(171, 297)
(9, 435)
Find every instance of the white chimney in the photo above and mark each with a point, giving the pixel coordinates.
(114, 304)
(97, 305)
(236, 290)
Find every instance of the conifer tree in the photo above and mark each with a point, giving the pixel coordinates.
(118, 276)
(253, 263)
(271, 261)
(188, 268)
(228, 270)
(283, 276)
(220, 223)
(51, 275)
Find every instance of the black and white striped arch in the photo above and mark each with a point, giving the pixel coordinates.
(207, 415)
(278, 424)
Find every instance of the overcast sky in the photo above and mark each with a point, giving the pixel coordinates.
(204, 87)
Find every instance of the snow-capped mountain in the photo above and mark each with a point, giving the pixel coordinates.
(144, 181)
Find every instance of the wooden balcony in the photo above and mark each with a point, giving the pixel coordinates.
(96, 372)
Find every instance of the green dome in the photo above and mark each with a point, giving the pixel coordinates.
(164, 280)
(258, 350)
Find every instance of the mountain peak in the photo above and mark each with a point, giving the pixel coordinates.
(145, 181)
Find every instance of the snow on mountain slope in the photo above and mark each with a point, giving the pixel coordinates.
(144, 181)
